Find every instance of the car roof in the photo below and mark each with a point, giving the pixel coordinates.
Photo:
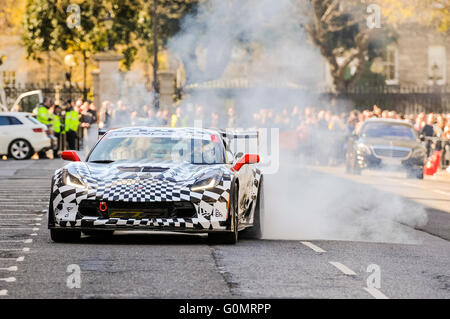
(388, 121)
(164, 131)
(15, 113)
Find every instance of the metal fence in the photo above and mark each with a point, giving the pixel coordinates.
(404, 99)
(57, 91)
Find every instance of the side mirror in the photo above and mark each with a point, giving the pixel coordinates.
(230, 157)
(246, 159)
(70, 156)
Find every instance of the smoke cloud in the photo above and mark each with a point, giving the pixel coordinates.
(260, 50)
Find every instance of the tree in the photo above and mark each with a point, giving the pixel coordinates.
(339, 29)
(46, 28)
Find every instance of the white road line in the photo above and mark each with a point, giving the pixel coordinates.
(26, 241)
(441, 192)
(12, 268)
(9, 279)
(15, 219)
(21, 258)
(409, 184)
(25, 249)
(313, 247)
(3, 292)
(14, 223)
(33, 234)
(19, 228)
(6, 214)
(375, 293)
(343, 268)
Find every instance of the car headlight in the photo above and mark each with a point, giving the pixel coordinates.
(206, 181)
(73, 181)
(362, 148)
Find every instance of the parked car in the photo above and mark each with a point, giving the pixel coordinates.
(386, 143)
(21, 135)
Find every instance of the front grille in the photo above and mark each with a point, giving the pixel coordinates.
(391, 152)
(136, 210)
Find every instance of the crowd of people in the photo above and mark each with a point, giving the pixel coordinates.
(313, 131)
(73, 125)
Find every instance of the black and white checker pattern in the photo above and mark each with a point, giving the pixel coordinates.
(132, 184)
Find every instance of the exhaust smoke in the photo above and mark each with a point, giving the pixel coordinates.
(261, 47)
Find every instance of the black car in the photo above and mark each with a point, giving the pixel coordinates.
(386, 143)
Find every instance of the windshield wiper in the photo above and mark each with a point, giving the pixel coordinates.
(102, 161)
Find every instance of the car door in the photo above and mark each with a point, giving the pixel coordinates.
(5, 134)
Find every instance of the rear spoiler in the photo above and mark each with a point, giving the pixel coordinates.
(239, 134)
(241, 142)
(101, 132)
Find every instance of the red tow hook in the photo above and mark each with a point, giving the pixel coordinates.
(102, 207)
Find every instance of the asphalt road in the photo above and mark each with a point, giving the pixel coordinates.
(325, 233)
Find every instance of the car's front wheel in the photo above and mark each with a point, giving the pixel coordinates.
(64, 236)
(228, 238)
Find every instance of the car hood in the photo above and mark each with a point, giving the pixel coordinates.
(174, 172)
(390, 142)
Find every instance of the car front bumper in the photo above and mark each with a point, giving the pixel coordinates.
(371, 161)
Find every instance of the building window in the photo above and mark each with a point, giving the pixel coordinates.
(391, 65)
(437, 67)
(9, 77)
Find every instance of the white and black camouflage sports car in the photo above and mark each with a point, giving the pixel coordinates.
(170, 179)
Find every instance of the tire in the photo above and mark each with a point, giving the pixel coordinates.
(20, 149)
(415, 174)
(99, 233)
(228, 238)
(64, 236)
(255, 232)
(419, 174)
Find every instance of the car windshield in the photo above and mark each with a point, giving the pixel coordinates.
(168, 148)
(388, 130)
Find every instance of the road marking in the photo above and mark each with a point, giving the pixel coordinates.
(409, 184)
(26, 241)
(313, 247)
(15, 249)
(14, 223)
(21, 258)
(6, 214)
(33, 234)
(9, 279)
(441, 192)
(24, 219)
(3, 292)
(343, 268)
(19, 228)
(12, 268)
(375, 293)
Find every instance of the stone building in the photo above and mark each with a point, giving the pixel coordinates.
(419, 58)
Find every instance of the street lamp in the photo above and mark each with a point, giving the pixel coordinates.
(108, 21)
(69, 61)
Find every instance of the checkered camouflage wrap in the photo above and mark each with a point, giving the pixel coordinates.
(144, 182)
